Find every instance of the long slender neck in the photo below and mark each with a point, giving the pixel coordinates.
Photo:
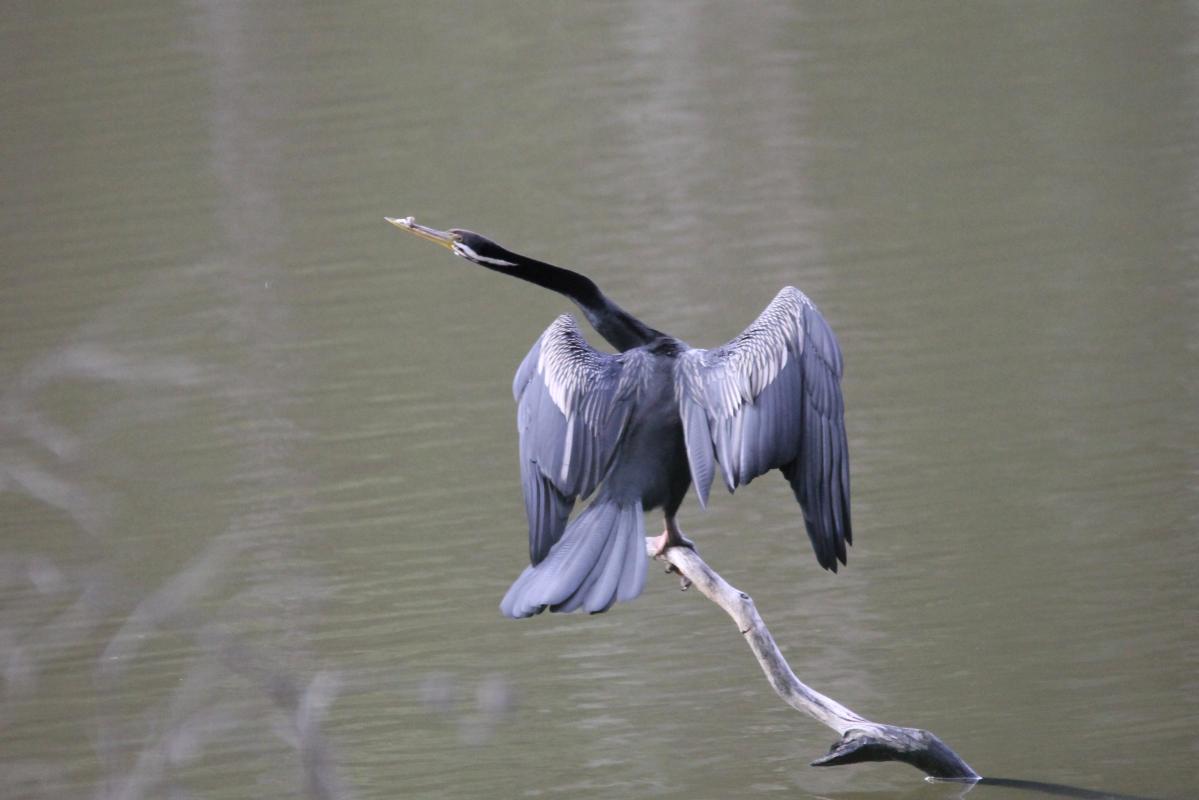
(620, 328)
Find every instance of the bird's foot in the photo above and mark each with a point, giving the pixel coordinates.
(673, 537)
(665, 540)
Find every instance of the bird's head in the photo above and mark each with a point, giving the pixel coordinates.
(467, 244)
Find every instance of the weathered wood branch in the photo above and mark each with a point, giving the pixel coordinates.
(861, 740)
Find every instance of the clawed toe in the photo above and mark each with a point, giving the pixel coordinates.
(673, 537)
(663, 543)
(684, 581)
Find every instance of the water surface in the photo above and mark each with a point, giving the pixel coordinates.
(257, 455)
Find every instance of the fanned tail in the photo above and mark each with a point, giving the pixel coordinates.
(599, 560)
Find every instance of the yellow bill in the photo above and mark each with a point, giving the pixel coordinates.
(444, 238)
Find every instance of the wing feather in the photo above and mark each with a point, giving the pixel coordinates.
(771, 398)
(572, 405)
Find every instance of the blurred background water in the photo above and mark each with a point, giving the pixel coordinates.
(258, 489)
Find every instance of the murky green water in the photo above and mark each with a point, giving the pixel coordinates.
(257, 456)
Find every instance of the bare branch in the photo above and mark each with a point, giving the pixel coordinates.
(861, 740)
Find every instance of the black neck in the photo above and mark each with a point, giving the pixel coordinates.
(622, 330)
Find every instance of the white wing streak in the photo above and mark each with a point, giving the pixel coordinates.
(572, 405)
(771, 398)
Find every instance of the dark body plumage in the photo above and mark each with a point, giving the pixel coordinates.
(635, 429)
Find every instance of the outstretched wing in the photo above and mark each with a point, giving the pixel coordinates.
(572, 405)
(771, 398)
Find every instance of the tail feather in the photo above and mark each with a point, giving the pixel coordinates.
(600, 582)
(599, 560)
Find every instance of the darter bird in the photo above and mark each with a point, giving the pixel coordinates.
(637, 428)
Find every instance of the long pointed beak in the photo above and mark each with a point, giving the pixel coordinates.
(443, 238)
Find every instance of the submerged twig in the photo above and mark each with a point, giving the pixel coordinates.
(861, 739)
